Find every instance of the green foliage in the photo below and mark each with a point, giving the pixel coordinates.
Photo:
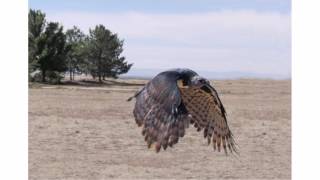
(47, 45)
(35, 76)
(52, 50)
(36, 26)
(104, 57)
(54, 77)
(77, 55)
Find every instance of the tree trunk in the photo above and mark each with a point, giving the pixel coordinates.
(99, 66)
(43, 75)
(70, 72)
(100, 78)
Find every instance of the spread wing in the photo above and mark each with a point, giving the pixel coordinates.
(159, 110)
(208, 113)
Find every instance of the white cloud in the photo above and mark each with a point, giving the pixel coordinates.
(219, 41)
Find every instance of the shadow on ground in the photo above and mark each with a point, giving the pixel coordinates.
(88, 83)
(93, 83)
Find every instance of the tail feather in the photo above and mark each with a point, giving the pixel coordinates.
(130, 98)
(136, 94)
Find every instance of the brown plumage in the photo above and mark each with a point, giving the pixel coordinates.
(171, 101)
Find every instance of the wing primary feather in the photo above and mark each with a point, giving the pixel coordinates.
(224, 144)
(214, 141)
(136, 94)
(219, 142)
(157, 147)
(209, 140)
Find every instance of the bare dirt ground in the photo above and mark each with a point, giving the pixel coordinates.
(87, 131)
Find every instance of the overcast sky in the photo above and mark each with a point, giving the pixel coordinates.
(251, 36)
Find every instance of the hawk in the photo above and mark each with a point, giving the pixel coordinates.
(171, 101)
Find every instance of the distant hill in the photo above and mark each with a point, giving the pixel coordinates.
(149, 73)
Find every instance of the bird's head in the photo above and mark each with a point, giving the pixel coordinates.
(188, 78)
(198, 81)
(193, 82)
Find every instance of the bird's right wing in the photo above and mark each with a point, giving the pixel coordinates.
(209, 114)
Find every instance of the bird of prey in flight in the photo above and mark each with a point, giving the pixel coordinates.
(171, 101)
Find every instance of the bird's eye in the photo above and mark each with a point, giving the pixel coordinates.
(202, 81)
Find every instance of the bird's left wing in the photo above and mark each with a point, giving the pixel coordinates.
(159, 110)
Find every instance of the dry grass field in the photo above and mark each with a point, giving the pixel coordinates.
(87, 131)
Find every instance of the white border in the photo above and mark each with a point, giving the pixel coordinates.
(14, 90)
(305, 89)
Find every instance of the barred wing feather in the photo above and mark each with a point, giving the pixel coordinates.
(209, 114)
